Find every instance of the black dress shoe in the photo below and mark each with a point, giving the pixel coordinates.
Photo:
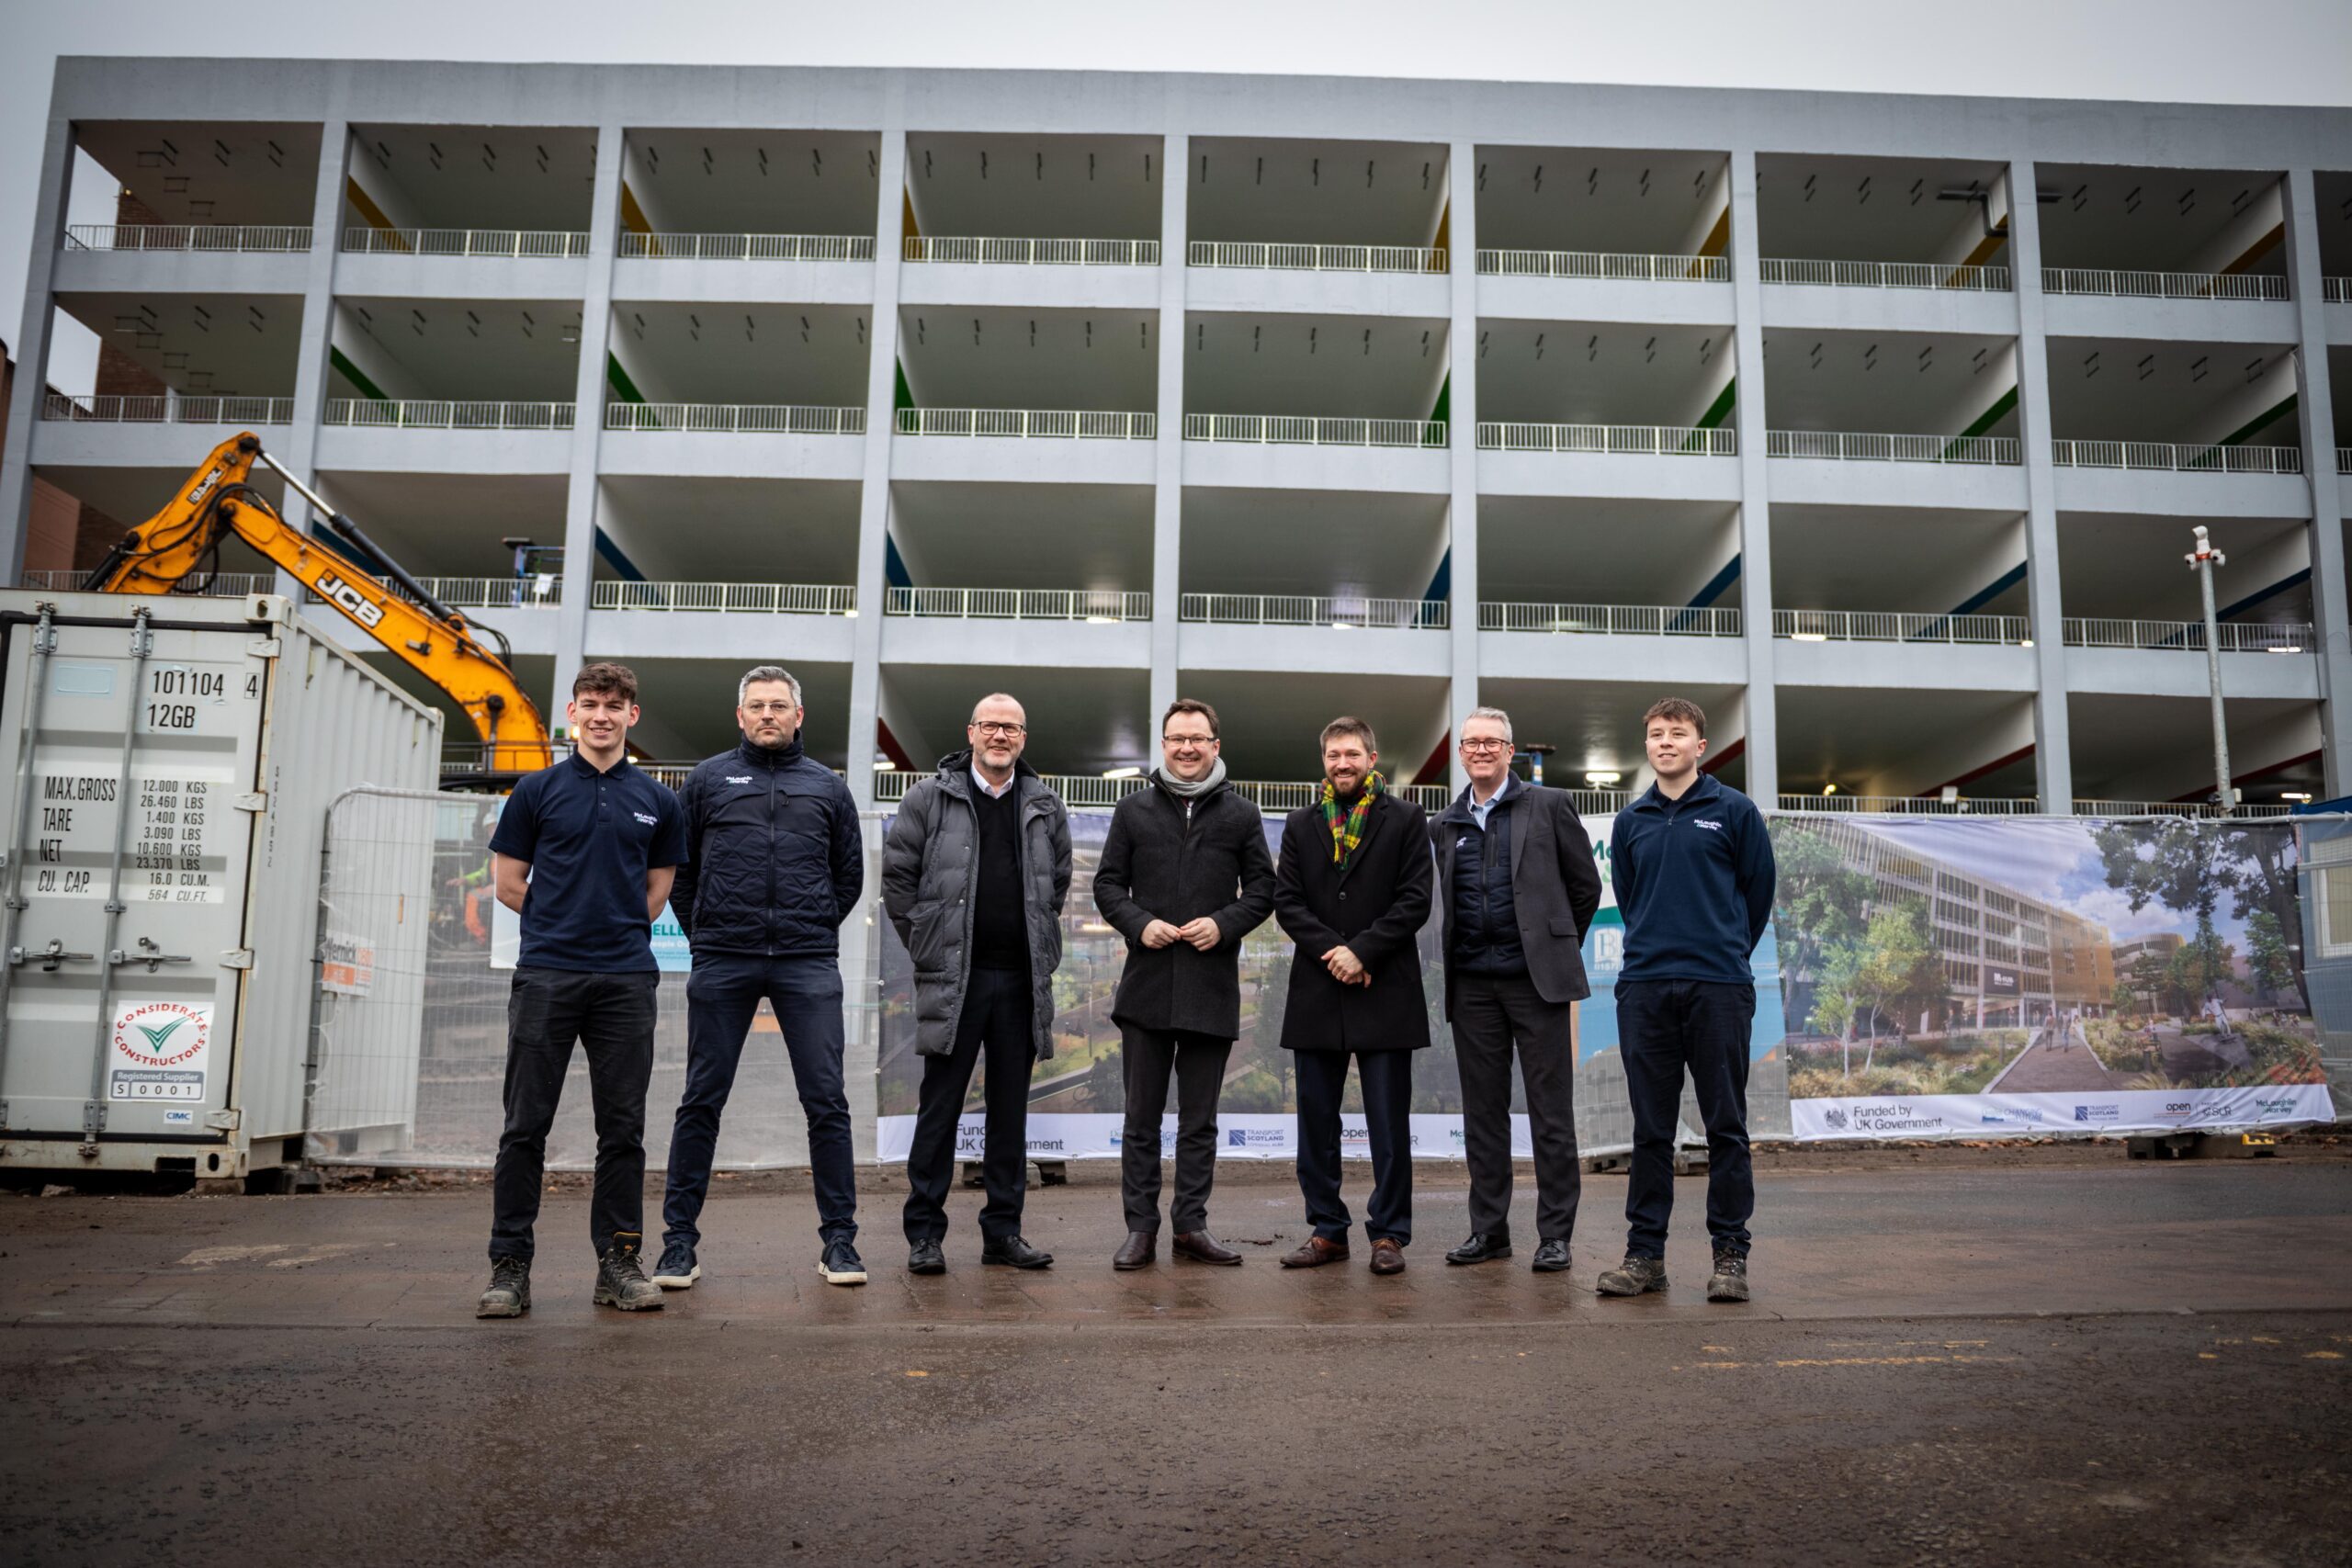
(1203, 1248)
(925, 1257)
(1015, 1252)
(1482, 1247)
(1552, 1258)
(1135, 1251)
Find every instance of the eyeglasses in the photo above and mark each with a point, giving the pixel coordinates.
(1006, 731)
(1486, 745)
(1188, 740)
(767, 707)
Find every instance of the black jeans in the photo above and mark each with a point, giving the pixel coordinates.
(1666, 1027)
(722, 993)
(1489, 1012)
(1146, 1058)
(611, 1016)
(998, 1007)
(1388, 1080)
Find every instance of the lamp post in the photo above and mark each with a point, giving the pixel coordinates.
(2202, 560)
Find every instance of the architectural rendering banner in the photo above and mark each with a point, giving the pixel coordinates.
(1990, 976)
(1076, 1096)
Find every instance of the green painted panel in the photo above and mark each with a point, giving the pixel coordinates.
(356, 377)
(623, 387)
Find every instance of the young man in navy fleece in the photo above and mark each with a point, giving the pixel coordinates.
(1691, 864)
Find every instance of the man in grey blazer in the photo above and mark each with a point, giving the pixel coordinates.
(1517, 881)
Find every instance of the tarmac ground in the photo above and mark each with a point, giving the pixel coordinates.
(1954, 1355)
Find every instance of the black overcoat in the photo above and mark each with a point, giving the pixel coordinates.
(1160, 861)
(1376, 911)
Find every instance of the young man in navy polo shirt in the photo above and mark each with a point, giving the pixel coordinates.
(1691, 864)
(584, 852)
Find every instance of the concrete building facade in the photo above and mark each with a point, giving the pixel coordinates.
(1875, 425)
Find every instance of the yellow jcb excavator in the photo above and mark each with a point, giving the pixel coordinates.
(433, 639)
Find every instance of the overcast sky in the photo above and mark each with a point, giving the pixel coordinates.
(2258, 51)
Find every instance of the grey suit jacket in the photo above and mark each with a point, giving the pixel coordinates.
(1553, 883)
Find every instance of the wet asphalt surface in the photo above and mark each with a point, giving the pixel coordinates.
(1960, 1357)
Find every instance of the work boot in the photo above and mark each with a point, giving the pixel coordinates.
(1729, 1281)
(679, 1269)
(620, 1277)
(510, 1289)
(1637, 1276)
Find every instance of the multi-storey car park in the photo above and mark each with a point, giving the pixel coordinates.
(1876, 424)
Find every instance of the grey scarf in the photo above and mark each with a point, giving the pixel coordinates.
(1182, 791)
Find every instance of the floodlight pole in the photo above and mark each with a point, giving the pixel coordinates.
(2202, 560)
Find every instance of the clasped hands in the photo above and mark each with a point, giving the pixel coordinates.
(1202, 934)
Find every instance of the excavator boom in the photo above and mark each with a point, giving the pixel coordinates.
(440, 644)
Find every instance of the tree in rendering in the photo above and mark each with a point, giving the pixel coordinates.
(2270, 963)
(2191, 866)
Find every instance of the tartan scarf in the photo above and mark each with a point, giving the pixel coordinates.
(1345, 835)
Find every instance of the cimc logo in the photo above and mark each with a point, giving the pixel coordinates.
(161, 1035)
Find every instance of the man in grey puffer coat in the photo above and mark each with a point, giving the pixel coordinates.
(975, 873)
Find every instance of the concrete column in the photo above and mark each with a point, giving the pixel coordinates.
(2315, 408)
(32, 347)
(1763, 754)
(1461, 442)
(1168, 480)
(881, 420)
(588, 419)
(2053, 758)
(298, 450)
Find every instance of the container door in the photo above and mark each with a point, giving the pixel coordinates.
(130, 859)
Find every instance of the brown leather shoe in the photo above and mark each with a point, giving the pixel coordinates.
(1135, 1251)
(1203, 1248)
(1315, 1252)
(1387, 1256)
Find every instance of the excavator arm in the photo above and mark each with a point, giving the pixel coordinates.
(436, 641)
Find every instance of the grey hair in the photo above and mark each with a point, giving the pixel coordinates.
(767, 673)
(1497, 715)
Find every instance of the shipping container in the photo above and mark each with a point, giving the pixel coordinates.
(171, 762)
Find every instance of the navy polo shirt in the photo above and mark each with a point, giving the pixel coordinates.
(589, 838)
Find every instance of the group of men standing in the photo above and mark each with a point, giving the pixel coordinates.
(760, 858)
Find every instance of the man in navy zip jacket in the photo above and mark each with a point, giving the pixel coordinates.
(1691, 864)
(783, 865)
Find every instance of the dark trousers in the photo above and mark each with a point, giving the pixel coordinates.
(1490, 1013)
(722, 993)
(611, 1016)
(1386, 1078)
(1146, 1058)
(998, 1007)
(1667, 1027)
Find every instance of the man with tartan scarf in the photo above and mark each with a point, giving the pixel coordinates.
(1353, 890)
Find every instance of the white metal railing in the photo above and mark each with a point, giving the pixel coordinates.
(1620, 440)
(1893, 625)
(1316, 258)
(2232, 637)
(219, 586)
(1881, 275)
(1637, 620)
(166, 409)
(508, 592)
(2336, 290)
(1604, 266)
(1305, 430)
(1088, 790)
(1858, 448)
(2343, 459)
(1914, 805)
(990, 251)
(2162, 284)
(2177, 808)
(1341, 612)
(2184, 458)
(187, 237)
(748, 247)
(444, 413)
(744, 419)
(757, 598)
(1095, 604)
(512, 242)
(1088, 424)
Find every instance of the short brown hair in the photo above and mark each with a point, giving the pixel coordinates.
(1673, 708)
(1348, 723)
(606, 676)
(1191, 704)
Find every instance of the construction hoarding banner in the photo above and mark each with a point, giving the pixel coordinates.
(1953, 977)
